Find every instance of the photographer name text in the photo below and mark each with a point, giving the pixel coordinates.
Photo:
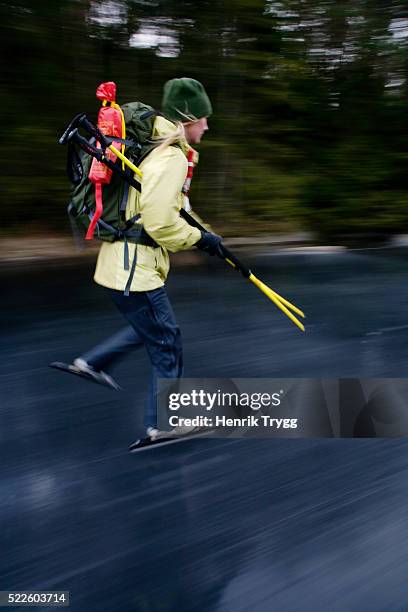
(223, 421)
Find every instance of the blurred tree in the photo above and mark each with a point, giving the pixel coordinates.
(309, 97)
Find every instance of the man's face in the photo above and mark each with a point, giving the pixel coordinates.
(194, 130)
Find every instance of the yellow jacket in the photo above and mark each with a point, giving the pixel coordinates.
(159, 203)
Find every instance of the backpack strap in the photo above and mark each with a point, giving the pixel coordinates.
(151, 113)
(137, 235)
(131, 275)
(127, 142)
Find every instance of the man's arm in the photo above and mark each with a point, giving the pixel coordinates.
(164, 173)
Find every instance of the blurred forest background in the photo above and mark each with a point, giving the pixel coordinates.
(310, 105)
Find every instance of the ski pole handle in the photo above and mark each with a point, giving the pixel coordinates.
(93, 131)
(81, 120)
(85, 145)
(71, 128)
(227, 255)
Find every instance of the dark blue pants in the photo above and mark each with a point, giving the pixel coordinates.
(152, 324)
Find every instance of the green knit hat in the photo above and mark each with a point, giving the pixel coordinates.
(185, 100)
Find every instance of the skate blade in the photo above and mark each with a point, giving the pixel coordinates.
(71, 369)
(147, 443)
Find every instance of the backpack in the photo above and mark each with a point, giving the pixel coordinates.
(112, 225)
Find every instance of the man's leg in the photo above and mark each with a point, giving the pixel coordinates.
(113, 348)
(167, 358)
(151, 316)
(91, 365)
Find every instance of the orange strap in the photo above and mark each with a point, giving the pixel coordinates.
(98, 211)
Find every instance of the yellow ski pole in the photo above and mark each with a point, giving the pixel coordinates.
(279, 302)
(283, 304)
(125, 160)
(268, 291)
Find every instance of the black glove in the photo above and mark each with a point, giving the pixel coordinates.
(210, 243)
